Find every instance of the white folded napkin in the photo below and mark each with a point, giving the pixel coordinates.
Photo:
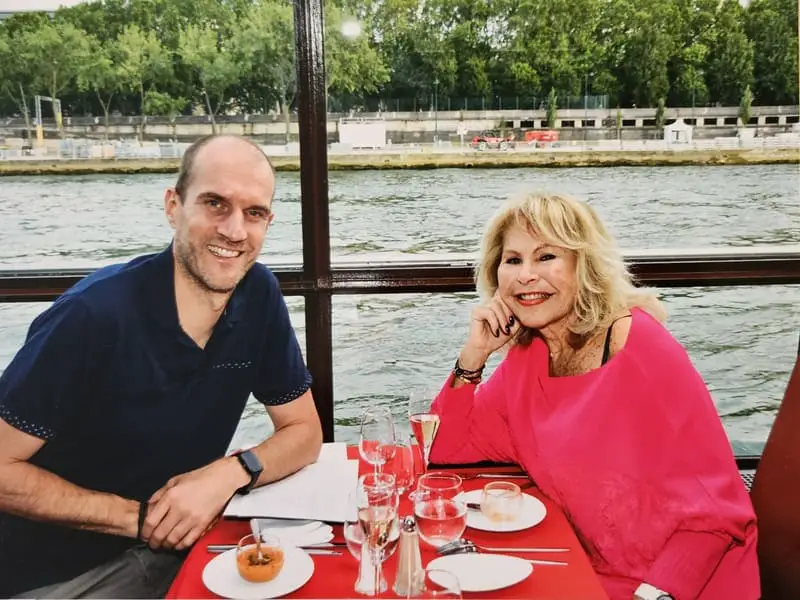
(292, 532)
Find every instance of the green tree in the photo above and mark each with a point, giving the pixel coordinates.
(353, 66)
(55, 53)
(772, 27)
(163, 105)
(16, 80)
(731, 55)
(143, 63)
(101, 74)
(214, 63)
(266, 45)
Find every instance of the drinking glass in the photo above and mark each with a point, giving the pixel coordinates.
(446, 485)
(424, 423)
(439, 508)
(376, 444)
(501, 501)
(437, 583)
(376, 501)
(402, 465)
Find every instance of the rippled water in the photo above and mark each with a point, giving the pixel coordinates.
(743, 340)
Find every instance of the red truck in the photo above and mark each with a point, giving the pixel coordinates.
(540, 137)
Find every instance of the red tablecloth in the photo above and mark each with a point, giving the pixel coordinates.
(334, 576)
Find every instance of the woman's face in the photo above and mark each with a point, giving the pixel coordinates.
(536, 280)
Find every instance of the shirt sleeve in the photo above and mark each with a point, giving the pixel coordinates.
(473, 422)
(704, 495)
(42, 386)
(282, 375)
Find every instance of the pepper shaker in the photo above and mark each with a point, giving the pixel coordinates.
(409, 579)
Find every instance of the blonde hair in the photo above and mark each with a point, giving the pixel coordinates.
(605, 286)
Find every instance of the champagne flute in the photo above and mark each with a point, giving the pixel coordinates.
(376, 444)
(424, 423)
(376, 505)
(354, 539)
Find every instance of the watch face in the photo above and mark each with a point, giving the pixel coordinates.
(251, 462)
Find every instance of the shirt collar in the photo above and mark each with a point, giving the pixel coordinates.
(159, 290)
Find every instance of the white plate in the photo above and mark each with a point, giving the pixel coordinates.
(482, 572)
(222, 577)
(532, 513)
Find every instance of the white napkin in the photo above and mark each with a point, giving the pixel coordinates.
(292, 532)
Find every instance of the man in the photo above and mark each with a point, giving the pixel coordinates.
(116, 413)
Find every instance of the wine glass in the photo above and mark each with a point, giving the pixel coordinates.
(424, 423)
(436, 583)
(377, 442)
(376, 503)
(402, 465)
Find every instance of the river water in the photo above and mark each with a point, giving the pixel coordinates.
(742, 340)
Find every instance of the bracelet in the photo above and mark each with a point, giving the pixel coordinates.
(142, 516)
(472, 381)
(467, 375)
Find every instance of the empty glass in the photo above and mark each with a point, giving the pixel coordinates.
(501, 501)
(401, 465)
(377, 442)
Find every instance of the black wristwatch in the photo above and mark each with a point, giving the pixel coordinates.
(252, 467)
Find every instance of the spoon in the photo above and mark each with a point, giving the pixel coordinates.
(255, 528)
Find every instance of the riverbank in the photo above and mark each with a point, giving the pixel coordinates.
(425, 160)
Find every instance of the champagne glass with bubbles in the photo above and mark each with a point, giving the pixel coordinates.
(377, 442)
(424, 423)
(376, 503)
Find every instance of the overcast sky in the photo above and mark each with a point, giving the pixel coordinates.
(48, 5)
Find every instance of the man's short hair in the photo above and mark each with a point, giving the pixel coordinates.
(189, 157)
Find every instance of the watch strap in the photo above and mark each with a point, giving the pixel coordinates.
(246, 459)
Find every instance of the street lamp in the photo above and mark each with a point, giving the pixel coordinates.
(436, 110)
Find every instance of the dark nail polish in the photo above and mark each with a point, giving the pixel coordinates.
(508, 330)
(511, 320)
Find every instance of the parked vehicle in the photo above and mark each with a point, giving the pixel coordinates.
(493, 139)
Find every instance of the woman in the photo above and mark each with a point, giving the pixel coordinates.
(601, 406)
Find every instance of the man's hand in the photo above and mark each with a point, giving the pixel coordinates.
(189, 504)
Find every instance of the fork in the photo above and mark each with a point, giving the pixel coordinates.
(469, 548)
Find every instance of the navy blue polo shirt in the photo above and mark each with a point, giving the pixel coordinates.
(125, 400)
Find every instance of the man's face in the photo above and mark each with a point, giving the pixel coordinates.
(221, 222)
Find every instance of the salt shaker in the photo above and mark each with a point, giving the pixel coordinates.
(409, 579)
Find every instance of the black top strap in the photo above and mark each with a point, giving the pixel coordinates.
(607, 344)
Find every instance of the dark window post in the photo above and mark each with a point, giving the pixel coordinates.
(312, 115)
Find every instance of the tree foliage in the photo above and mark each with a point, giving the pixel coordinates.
(215, 56)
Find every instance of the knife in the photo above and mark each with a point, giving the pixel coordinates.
(320, 549)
